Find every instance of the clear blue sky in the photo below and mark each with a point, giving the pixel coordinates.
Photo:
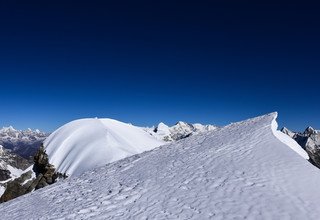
(145, 62)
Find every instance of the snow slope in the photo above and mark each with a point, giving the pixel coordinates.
(240, 171)
(288, 141)
(83, 144)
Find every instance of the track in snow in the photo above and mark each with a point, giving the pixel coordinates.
(239, 171)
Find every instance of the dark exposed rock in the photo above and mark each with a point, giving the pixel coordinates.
(4, 175)
(45, 175)
(309, 140)
(9, 158)
(179, 131)
(41, 161)
(42, 166)
(17, 187)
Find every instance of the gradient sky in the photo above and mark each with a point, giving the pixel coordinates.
(144, 62)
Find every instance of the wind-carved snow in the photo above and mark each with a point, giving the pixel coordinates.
(83, 144)
(288, 140)
(240, 171)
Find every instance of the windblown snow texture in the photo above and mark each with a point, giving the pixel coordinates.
(240, 171)
(83, 144)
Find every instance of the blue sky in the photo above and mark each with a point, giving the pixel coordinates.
(144, 62)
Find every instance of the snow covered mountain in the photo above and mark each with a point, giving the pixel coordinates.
(309, 140)
(83, 144)
(12, 166)
(24, 143)
(244, 170)
(179, 131)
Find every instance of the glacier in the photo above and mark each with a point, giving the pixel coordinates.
(243, 170)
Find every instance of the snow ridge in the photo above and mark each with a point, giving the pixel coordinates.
(287, 139)
(86, 143)
(236, 172)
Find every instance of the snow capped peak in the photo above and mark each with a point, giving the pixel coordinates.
(86, 143)
(12, 130)
(285, 129)
(241, 171)
(287, 132)
(7, 129)
(161, 124)
(24, 143)
(162, 129)
(182, 123)
(178, 131)
(310, 130)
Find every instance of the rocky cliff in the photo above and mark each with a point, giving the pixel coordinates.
(44, 175)
(309, 140)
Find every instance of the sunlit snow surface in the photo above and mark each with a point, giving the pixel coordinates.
(87, 143)
(240, 171)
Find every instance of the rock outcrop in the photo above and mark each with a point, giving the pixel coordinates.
(18, 187)
(44, 169)
(11, 167)
(44, 175)
(309, 140)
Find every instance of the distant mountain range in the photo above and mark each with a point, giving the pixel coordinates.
(84, 144)
(24, 143)
(70, 149)
(245, 170)
(178, 131)
(17, 149)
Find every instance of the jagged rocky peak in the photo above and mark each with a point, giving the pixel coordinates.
(41, 174)
(8, 158)
(178, 131)
(12, 167)
(24, 143)
(310, 131)
(309, 140)
(11, 132)
(7, 129)
(288, 132)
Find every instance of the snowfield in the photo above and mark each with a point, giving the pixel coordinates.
(239, 171)
(87, 143)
